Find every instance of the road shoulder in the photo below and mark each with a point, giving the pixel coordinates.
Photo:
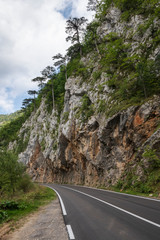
(47, 223)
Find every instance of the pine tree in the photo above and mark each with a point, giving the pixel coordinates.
(40, 80)
(49, 73)
(61, 61)
(93, 5)
(33, 92)
(75, 27)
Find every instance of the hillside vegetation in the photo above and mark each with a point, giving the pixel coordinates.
(113, 63)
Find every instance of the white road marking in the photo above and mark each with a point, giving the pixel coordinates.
(61, 201)
(70, 232)
(136, 196)
(121, 209)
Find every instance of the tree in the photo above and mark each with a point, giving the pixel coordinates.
(75, 27)
(49, 73)
(91, 36)
(61, 61)
(147, 77)
(93, 5)
(40, 80)
(26, 103)
(11, 172)
(73, 51)
(33, 92)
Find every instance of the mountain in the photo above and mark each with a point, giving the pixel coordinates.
(6, 118)
(105, 127)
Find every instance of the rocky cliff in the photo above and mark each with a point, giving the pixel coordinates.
(98, 139)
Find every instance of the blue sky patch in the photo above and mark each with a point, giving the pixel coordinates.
(66, 12)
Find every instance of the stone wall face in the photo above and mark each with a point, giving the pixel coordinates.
(95, 155)
(94, 152)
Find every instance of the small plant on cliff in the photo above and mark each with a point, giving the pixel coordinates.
(151, 156)
(65, 116)
(86, 109)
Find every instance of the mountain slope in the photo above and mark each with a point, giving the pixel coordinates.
(108, 130)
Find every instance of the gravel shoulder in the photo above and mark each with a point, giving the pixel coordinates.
(46, 224)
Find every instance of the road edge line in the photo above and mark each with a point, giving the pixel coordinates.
(118, 208)
(127, 194)
(60, 199)
(70, 232)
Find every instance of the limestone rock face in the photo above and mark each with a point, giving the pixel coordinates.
(97, 155)
(95, 151)
(41, 129)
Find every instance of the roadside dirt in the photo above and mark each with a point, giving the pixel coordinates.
(46, 224)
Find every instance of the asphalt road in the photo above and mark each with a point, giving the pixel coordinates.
(92, 214)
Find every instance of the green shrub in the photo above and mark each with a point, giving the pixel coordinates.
(11, 172)
(102, 106)
(86, 109)
(96, 75)
(8, 205)
(3, 215)
(65, 116)
(25, 183)
(151, 156)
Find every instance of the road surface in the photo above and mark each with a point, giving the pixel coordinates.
(92, 214)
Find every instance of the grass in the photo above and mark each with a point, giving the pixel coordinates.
(128, 191)
(27, 203)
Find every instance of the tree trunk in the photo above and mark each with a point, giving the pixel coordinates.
(97, 48)
(144, 89)
(34, 104)
(80, 47)
(52, 94)
(66, 73)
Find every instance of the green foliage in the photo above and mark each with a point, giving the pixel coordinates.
(96, 75)
(43, 143)
(9, 132)
(25, 203)
(150, 181)
(73, 66)
(133, 78)
(25, 184)
(59, 90)
(86, 109)
(151, 156)
(91, 38)
(3, 215)
(65, 116)
(11, 173)
(131, 7)
(102, 106)
(22, 143)
(114, 52)
(9, 205)
(6, 118)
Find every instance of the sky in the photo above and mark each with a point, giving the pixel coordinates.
(31, 33)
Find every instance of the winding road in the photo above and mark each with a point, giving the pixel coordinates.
(94, 214)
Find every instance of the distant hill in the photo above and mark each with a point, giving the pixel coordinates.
(5, 118)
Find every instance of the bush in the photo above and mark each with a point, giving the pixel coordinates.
(9, 205)
(86, 109)
(25, 184)
(12, 174)
(153, 159)
(3, 215)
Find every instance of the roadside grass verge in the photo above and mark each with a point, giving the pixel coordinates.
(22, 204)
(130, 191)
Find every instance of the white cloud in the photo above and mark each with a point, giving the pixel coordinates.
(31, 32)
(6, 104)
